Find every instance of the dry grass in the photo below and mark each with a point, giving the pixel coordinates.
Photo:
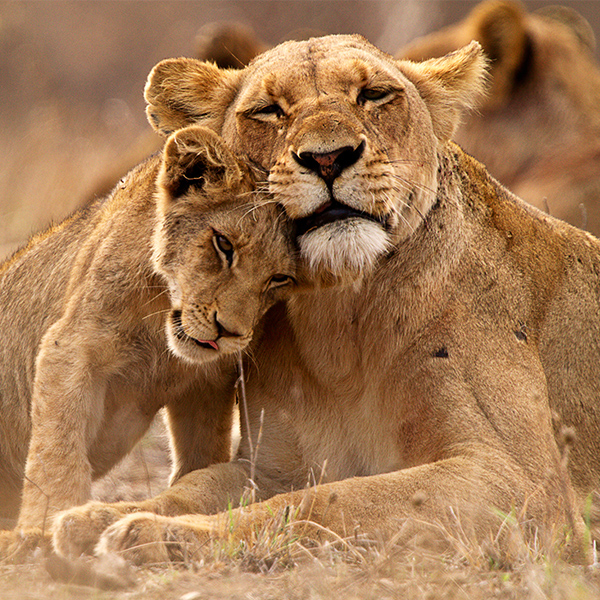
(55, 147)
(282, 568)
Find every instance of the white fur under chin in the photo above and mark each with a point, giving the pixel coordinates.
(351, 245)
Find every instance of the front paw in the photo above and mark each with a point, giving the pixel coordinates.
(77, 530)
(18, 546)
(146, 538)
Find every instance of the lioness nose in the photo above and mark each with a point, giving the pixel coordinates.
(329, 165)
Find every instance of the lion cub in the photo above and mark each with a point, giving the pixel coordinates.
(136, 303)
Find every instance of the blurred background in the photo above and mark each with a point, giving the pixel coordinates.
(72, 75)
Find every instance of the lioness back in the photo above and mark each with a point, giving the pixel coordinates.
(140, 301)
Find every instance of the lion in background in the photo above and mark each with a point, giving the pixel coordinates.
(538, 130)
(139, 302)
(457, 335)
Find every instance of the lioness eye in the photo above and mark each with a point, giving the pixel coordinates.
(270, 109)
(224, 246)
(280, 280)
(371, 94)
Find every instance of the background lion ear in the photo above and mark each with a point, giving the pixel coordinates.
(184, 91)
(449, 85)
(499, 26)
(569, 17)
(194, 157)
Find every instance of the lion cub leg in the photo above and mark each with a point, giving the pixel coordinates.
(200, 422)
(57, 470)
(66, 413)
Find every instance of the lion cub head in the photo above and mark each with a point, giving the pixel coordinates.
(224, 249)
(347, 136)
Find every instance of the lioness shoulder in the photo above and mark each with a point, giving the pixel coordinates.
(139, 302)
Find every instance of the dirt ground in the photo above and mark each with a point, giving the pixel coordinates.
(71, 112)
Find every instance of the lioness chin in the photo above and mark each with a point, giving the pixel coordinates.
(139, 302)
(428, 389)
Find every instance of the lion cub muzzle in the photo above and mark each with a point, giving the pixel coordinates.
(179, 332)
(206, 332)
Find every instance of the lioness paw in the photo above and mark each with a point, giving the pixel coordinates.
(77, 531)
(148, 538)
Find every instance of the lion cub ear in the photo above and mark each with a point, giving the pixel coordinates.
(197, 157)
(184, 91)
(449, 85)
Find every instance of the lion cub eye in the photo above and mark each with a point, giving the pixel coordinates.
(280, 280)
(224, 247)
(371, 94)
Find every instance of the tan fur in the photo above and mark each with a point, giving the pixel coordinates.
(538, 131)
(86, 363)
(228, 45)
(420, 390)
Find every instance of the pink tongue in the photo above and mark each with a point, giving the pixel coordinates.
(211, 343)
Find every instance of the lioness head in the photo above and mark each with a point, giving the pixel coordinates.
(224, 250)
(346, 135)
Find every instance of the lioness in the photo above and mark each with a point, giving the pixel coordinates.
(117, 311)
(419, 389)
(538, 131)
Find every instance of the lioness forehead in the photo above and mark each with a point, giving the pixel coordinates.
(328, 46)
(338, 60)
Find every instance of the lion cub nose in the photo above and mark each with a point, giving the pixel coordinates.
(223, 331)
(329, 165)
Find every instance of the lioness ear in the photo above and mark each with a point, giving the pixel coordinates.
(185, 91)
(194, 157)
(500, 27)
(449, 85)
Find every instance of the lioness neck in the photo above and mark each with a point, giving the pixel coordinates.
(407, 286)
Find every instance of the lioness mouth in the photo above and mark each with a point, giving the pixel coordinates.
(329, 213)
(183, 336)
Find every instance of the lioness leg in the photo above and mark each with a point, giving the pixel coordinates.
(205, 491)
(402, 503)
